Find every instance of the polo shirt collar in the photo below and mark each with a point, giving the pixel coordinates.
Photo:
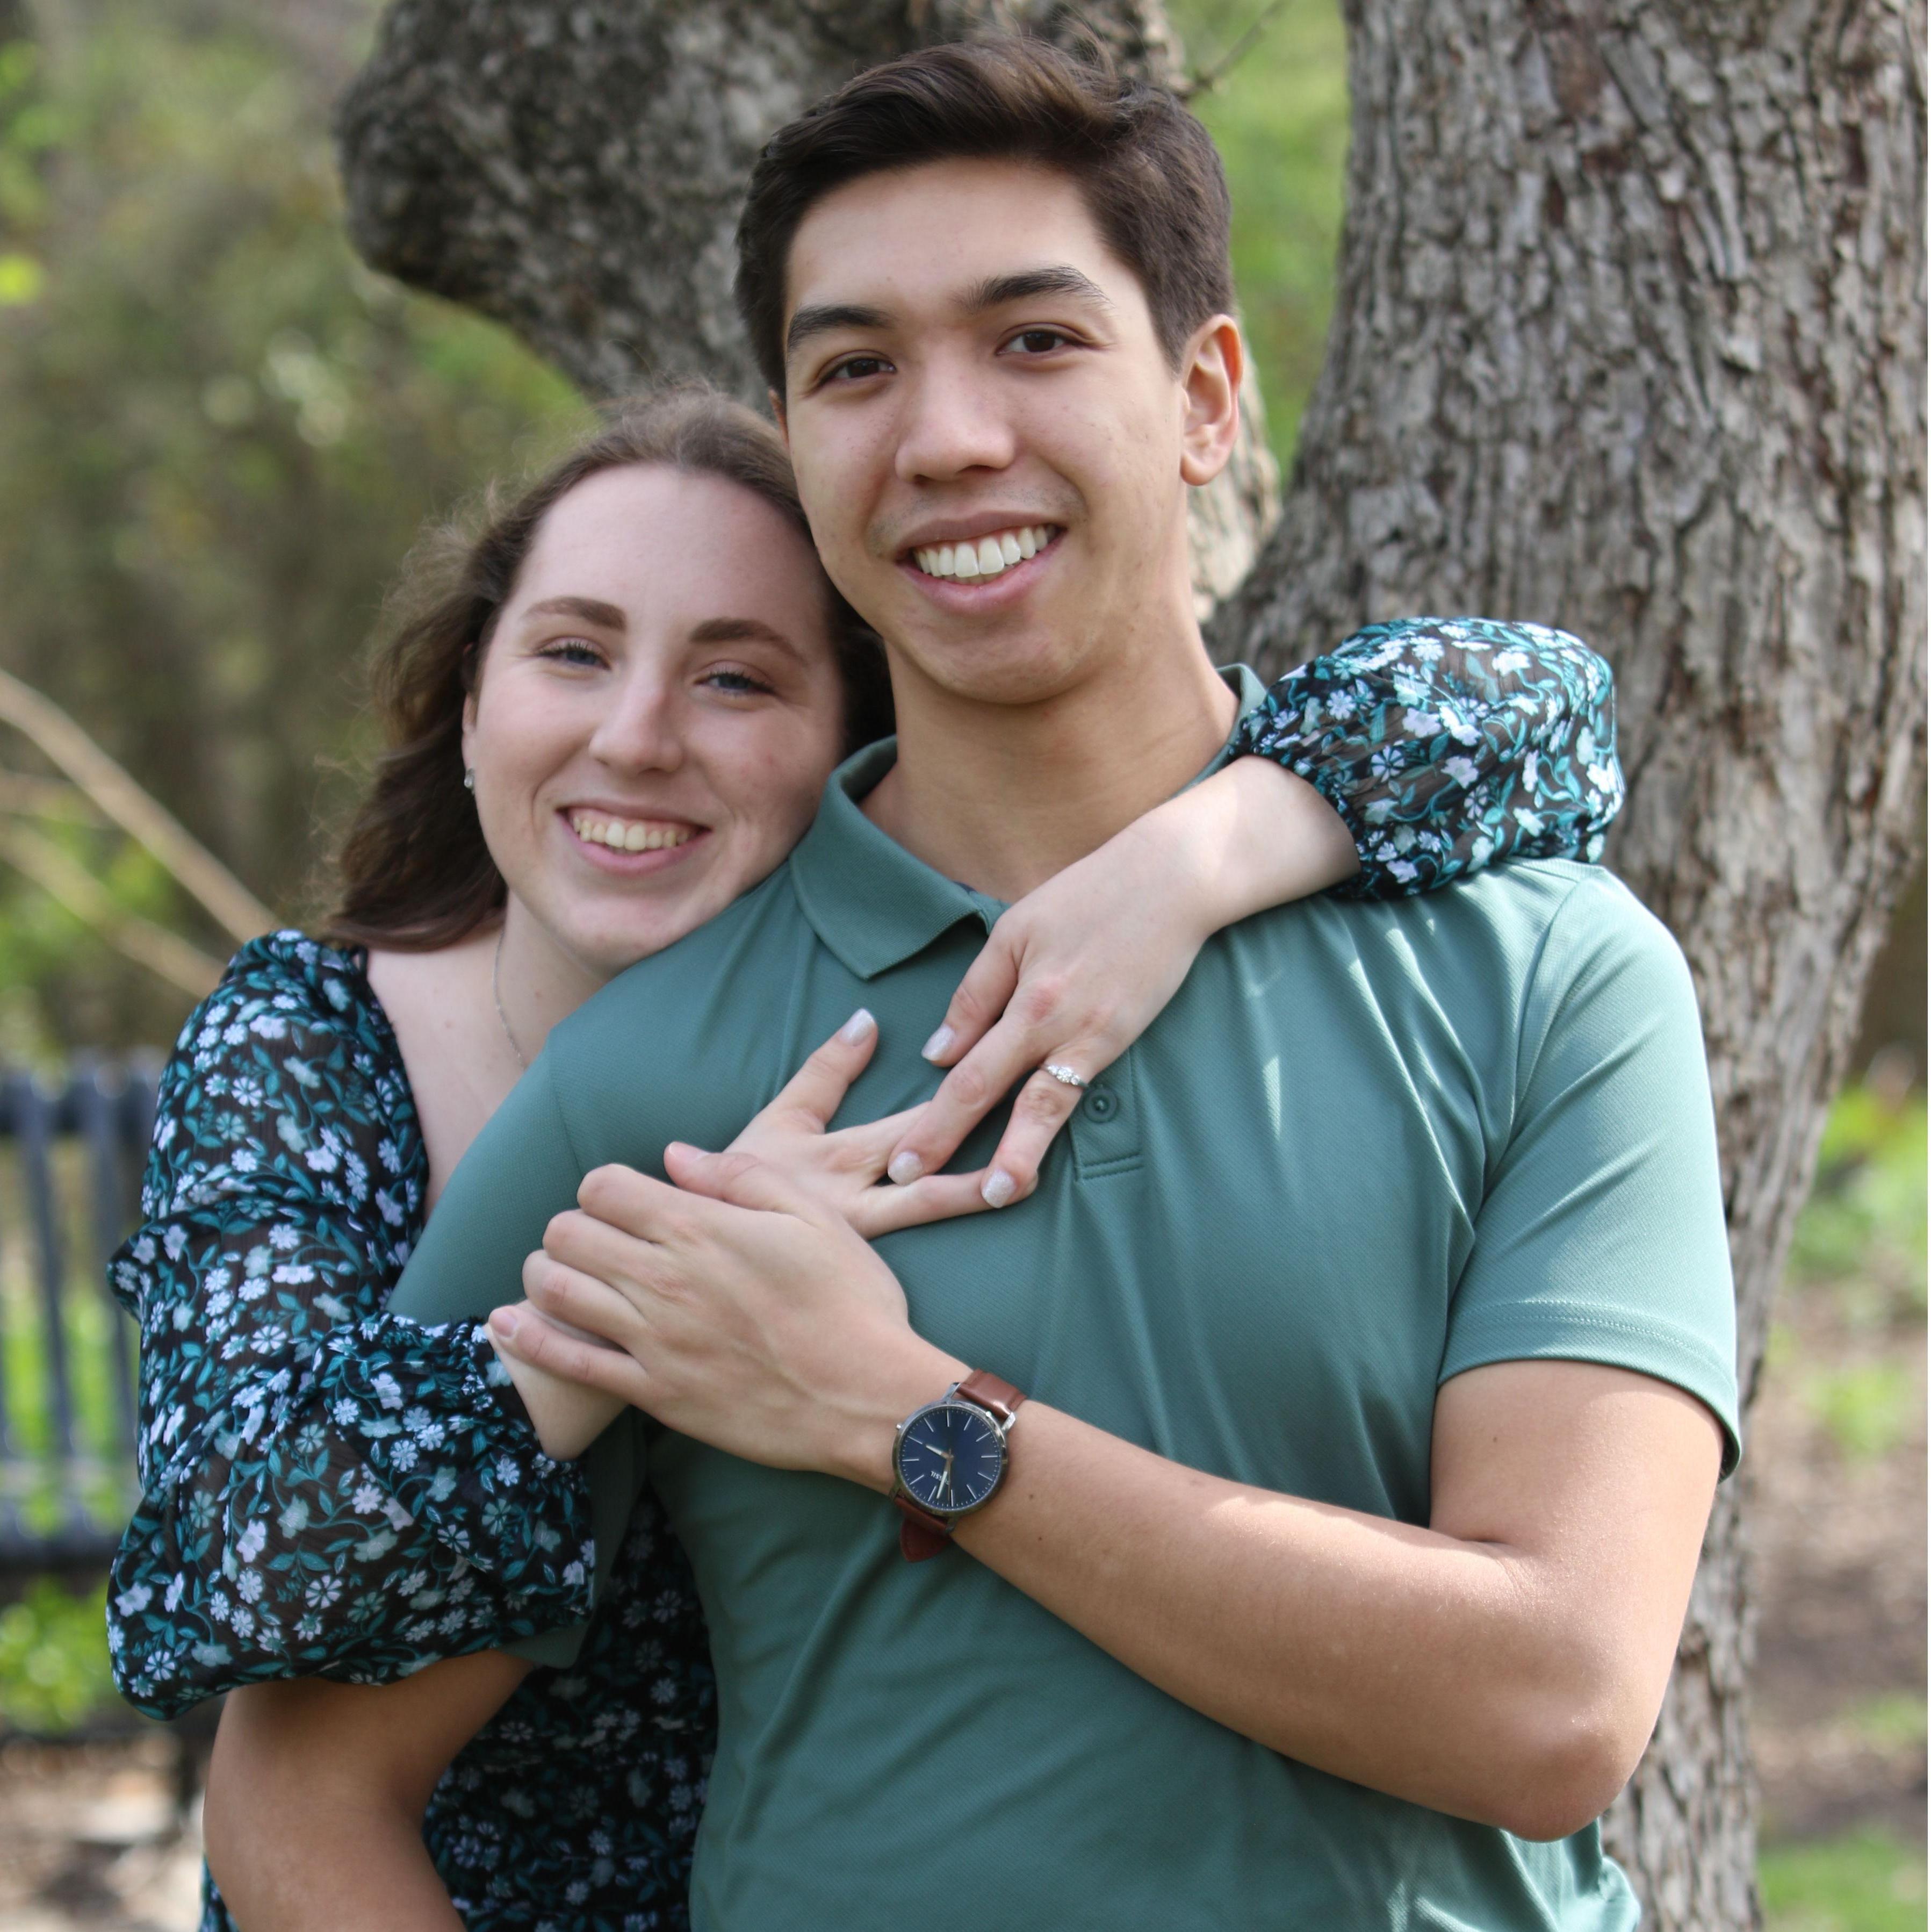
(872, 905)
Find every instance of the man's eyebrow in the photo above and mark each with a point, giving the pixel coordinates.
(741, 631)
(1026, 284)
(809, 322)
(606, 616)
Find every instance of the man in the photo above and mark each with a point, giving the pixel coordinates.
(1375, 1323)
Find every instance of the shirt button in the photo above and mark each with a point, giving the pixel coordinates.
(1100, 1105)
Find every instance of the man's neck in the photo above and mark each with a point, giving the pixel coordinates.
(1001, 797)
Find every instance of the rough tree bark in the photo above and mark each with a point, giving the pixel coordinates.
(1628, 339)
(576, 173)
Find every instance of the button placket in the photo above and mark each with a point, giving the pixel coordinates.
(1105, 1125)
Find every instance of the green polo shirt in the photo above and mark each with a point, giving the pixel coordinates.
(1367, 1147)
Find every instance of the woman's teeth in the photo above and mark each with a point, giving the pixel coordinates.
(988, 556)
(630, 834)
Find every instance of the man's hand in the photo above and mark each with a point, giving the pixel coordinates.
(740, 1312)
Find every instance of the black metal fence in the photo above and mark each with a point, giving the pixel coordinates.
(70, 1159)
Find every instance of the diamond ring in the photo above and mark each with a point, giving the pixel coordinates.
(1065, 1075)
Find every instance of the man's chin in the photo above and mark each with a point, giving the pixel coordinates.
(1006, 664)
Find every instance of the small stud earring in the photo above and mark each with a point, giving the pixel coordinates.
(469, 780)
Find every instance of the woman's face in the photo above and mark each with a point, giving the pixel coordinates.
(657, 711)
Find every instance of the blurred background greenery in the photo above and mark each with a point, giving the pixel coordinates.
(218, 435)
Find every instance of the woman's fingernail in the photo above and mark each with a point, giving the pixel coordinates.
(905, 1167)
(502, 1322)
(856, 1028)
(938, 1044)
(997, 1188)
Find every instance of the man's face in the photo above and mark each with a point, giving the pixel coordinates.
(993, 448)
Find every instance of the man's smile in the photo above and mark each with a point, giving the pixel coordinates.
(991, 555)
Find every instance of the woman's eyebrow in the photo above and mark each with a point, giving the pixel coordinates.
(606, 616)
(740, 631)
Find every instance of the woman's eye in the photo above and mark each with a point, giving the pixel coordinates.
(572, 651)
(737, 683)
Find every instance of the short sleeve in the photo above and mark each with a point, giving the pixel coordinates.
(1601, 1236)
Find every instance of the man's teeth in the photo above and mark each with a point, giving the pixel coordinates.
(630, 834)
(986, 557)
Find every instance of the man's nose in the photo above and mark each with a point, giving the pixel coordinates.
(954, 422)
(643, 729)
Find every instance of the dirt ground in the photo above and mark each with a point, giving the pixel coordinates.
(91, 1837)
(1840, 1539)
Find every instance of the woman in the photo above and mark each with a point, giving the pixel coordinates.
(328, 1490)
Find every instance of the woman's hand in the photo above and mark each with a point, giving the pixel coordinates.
(841, 1170)
(738, 1310)
(1076, 972)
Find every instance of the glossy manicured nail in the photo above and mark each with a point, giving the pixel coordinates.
(905, 1167)
(502, 1322)
(997, 1188)
(938, 1044)
(856, 1028)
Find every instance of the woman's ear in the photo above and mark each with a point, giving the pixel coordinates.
(1210, 385)
(470, 721)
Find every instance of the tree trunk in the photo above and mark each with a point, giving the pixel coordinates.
(577, 173)
(1628, 339)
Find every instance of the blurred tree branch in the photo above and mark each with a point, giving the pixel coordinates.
(69, 883)
(193, 867)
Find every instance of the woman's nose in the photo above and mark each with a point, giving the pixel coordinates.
(642, 730)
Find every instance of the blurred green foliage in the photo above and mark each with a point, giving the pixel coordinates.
(1861, 1241)
(53, 1658)
(1276, 104)
(1863, 1230)
(1892, 1721)
(218, 436)
(1867, 1882)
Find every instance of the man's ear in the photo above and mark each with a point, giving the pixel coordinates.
(1210, 384)
(777, 416)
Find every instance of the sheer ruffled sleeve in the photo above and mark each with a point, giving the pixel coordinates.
(1448, 744)
(325, 1488)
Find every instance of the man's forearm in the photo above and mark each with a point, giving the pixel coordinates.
(1507, 1683)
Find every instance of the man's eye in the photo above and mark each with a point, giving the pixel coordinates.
(1040, 341)
(856, 368)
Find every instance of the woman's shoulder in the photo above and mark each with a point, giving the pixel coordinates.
(293, 1031)
(282, 983)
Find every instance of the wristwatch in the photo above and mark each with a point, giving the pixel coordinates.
(949, 1459)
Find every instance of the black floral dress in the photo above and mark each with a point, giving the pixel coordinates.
(329, 1490)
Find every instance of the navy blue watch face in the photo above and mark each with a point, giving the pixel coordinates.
(949, 1457)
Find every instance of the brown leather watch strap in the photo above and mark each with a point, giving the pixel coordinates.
(920, 1535)
(986, 1389)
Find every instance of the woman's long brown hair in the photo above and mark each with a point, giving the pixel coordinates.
(412, 872)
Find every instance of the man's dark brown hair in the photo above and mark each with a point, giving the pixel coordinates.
(1150, 176)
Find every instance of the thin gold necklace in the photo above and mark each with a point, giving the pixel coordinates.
(496, 994)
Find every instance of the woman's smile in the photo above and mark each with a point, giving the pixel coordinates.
(631, 843)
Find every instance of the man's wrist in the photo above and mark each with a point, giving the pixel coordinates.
(912, 1377)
